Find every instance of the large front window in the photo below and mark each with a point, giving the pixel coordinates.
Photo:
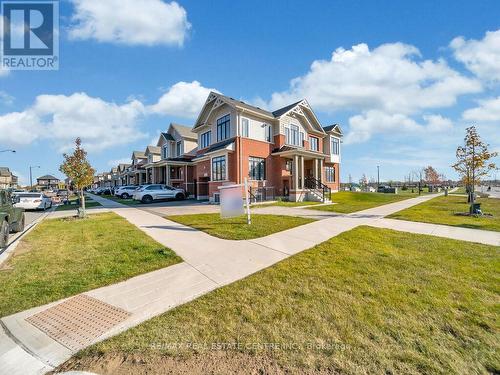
(293, 136)
(335, 146)
(205, 139)
(330, 174)
(223, 127)
(164, 151)
(219, 168)
(256, 168)
(178, 148)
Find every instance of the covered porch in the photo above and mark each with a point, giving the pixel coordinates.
(304, 178)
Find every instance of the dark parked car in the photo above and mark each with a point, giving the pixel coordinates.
(11, 218)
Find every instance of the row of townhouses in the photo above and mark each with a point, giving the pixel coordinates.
(285, 153)
(7, 178)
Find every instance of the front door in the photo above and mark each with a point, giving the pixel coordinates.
(286, 188)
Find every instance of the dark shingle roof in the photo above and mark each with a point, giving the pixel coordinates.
(331, 127)
(47, 177)
(284, 110)
(168, 137)
(217, 147)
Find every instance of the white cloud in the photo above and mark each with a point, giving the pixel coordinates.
(130, 22)
(184, 99)
(391, 78)
(19, 128)
(482, 57)
(6, 99)
(62, 118)
(362, 127)
(488, 110)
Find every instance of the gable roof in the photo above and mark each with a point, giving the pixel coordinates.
(184, 131)
(167, 136)
(153, 150)
(285, 109)
(138, 155)
(48, 177)
(333, 128)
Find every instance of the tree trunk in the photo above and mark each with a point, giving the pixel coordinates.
(82, 202)
(473, 188)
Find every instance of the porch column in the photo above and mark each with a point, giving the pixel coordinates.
(302, 179)
(320, 170)
(295, 172)
(315, 170)
(167, 175)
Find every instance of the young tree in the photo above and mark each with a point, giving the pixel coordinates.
(79, 170)
(363, 182)
(473, 161)
(431, 175)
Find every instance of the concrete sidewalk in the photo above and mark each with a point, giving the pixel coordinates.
(209, 263)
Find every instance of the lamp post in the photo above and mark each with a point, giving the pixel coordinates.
(378, 176)
(31, 175)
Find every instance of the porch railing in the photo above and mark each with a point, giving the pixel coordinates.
(318, 187)
(261, 194)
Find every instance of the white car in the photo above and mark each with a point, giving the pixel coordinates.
(126, 192)
(33, 201)
(150, 193)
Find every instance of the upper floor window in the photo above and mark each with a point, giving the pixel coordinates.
(245, 125)
(150, 158)
(256, 168)
(335, 146)
(164, 151)
(219, 168)
(330, 174)
(205, 139)
(223, 128)
(178, 148)
(293, 136)
(269, 132)
(314, 143)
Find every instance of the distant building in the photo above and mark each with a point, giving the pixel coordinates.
(48, 182)
(7, 178)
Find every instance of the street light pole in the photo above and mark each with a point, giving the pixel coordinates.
(31, 175)
(378, 176)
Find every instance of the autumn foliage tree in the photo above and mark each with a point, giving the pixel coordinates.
(79, 170)
(473, 161)
(432, 177)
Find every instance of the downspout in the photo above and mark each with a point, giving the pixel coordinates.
(240, 152)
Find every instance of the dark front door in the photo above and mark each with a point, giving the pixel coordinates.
(286, 188)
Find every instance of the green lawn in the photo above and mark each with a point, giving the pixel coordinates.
(285, 204)
(237, 228)
(348, 201)
(443, 210)
(63, 257)
(89, 203)
(370, 301)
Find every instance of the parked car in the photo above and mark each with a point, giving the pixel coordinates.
(155, 192)
(11, 217)
(33, 201)
(126, 192)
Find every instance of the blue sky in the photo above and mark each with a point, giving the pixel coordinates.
(409, 78)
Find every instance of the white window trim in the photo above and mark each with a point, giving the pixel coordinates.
(225, 155)
(230, 125)
(242, 127)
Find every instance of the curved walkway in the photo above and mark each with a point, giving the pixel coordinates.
(209, 263)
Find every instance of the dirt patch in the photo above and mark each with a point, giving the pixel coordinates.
(210, 363)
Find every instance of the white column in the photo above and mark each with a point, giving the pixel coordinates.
(320, 170)
(154, 175)
(302, 179)
(315, 170)
(167, 175)
(295, 170)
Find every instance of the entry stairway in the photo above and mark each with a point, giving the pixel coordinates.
(317, 191)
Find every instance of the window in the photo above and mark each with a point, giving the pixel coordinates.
(219, 168)
(164, 151)
(178, 148)
(269, 132)
(150, 159)
(330, 174)
(314, 143)
(256, 168)
(223, 128)
(205, 139)
(293, 136)
(244, 127)
(335, 146)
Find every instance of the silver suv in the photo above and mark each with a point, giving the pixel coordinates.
(126, 192)
(155, 192)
